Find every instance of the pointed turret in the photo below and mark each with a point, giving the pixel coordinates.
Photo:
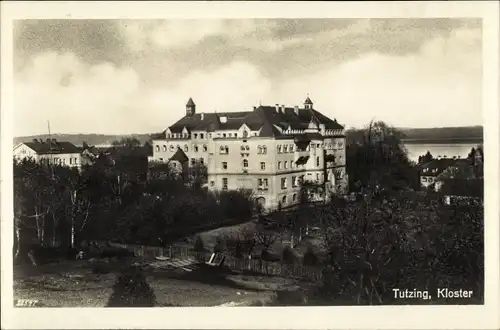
(190, 107)
(308, 104)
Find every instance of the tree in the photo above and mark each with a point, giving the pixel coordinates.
(310, 258)
(425, 158)
(199, 246)
(377, 157)
(127, 142)
(132, 290)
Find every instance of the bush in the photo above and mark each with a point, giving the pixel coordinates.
(199, 246)
(288, 256)
(221, 245)
(116, 253)
(310, 258)
(101, 268)
(132, 290)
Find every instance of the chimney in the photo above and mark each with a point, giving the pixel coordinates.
(202, 116)
(277, 108)
(283, 108)
(296, 110)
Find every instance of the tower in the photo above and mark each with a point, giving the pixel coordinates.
(308, 103)
(190, 107)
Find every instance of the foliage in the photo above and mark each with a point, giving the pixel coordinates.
(310, 258)
(463, 187)
(199, 246)
(399, 241)
(376, 157)
(132, 290)
(425, 158)
(59, 206)
(288, 256)
(220, 245)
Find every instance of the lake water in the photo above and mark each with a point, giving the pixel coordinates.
(437, 149)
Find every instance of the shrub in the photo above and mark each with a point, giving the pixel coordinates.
(101, 268)
(199, 246)
(288, 255)
(116, 252)
(310, 258)
(132, 290)
(220, 246)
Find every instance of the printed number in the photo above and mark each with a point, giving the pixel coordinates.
(26, 302)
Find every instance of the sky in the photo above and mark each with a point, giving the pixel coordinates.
(135, 76)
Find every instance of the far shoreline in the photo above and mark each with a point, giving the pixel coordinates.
(444, 141)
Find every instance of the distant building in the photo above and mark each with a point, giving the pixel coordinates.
(272, 150)
(433, 174)
(49, 151)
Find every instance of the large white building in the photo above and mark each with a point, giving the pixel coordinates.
(49, 151)
(273, 150)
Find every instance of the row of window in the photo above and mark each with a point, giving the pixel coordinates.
(59, 161)
(196, 148)
(430, 180)
(201, 161)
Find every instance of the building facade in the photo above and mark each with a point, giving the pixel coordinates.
(275, 151)
(49, 152)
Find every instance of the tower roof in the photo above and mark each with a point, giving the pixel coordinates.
(308, 101)
(190, 103)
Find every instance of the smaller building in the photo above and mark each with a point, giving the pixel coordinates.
(49, 151)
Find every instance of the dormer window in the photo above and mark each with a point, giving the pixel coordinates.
(245, 134)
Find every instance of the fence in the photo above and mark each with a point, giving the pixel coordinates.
(270, 268)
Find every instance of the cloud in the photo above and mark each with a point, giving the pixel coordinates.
(437, 85)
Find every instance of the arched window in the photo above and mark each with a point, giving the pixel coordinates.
(264, 149)
(165, 148)
(283, 200)
(195, 148)
(205, 147)
(186, 149)
(279, 165)
(294, 197)
(157, 148)
(245, 163)
(259, 149)
(245, 134)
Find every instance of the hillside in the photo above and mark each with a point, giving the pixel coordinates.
(412, 135)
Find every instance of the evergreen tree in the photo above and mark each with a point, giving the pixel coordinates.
(199, 246)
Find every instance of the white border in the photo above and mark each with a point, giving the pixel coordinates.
(414, 317)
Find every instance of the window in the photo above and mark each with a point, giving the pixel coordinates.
(264, 149)
(230, 134)
(317, 176)
(223, 134)
(245, 134)
(283, 183)
(431, 180)
(224, 149)
(317, 146)
(157, 148)
(285, 148)
(224, 183)
(71, 160)
(262, 165)
(242, 148)
(285, 164)
(168, 136)
(212, 183)
(195, 148)
(259, 150)
(317, 161)
(245, 163)
(224, 165)
(294, 197)
(165, 148)
(209, 135)
(424, 179)
(195, 135)
(283, 200)
(294, 181)
(193, 161)
(205, 147)
(64, 161)
(279, 149)
(186, 149)
(247, 148)
(202, 136)
(172, 148)
(291, 147)
(202, 161)
(279, 165)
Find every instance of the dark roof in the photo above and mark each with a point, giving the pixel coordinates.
(180, 156)
(54, 147)
(190, 102)
(437, 166)
(302, 160)
(308, 101)
(262, 117)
